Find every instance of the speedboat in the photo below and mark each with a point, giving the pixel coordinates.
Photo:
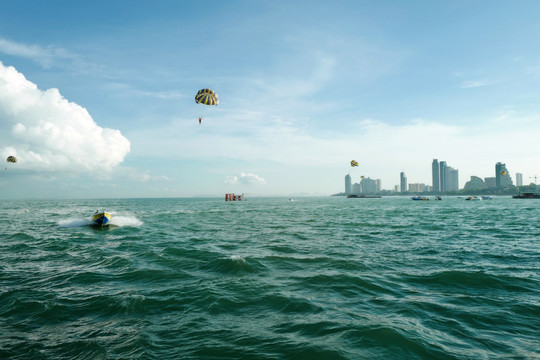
(101, 218)
(473, 198)
(421, 198)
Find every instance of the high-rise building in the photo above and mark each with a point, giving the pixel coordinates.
(442, 176)
(519, 179)
(452, 179)
(490, 182)
(445, 177)
(435, 174)
(475, 184)
(403, 182)
(417, 187)
(502, 177)
(348, 184)
(369, 186)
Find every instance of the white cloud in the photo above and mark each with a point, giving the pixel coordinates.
(233, 180)
(47, 132)
(45, 56)
(473, 84)
(246, 179)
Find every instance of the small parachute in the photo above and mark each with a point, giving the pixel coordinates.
(11, 159)
(504, 173)
(354, 163)
(207, 97)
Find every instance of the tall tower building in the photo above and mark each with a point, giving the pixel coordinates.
(445, 178)
(435, 176)
(442, 176)
(502, 177)
(403, 182)
(348, 184)
(452, 179)
(519, 179)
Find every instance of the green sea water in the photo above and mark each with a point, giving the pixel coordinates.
(269, 278)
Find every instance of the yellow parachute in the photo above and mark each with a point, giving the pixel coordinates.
(207, 97)
(11, 159)
(354, 163)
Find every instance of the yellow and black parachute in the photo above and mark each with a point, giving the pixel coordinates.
(11, 159)
(354, 163)
(207, 97)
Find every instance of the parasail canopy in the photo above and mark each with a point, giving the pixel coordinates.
(354, 163)
(11, 159)
(207, 97)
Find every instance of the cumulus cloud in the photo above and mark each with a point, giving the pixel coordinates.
(47, 132)
(246, 179)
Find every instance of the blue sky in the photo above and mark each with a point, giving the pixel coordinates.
(97, 98)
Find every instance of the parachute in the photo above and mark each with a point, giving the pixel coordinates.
(11, 159)
(207, 97)
(354, 163)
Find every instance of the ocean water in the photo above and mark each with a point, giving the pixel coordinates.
(268, 278)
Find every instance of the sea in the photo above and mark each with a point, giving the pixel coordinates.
(271, 278)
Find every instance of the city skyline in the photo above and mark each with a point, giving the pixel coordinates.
(501, 179)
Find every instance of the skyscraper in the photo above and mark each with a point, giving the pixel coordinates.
(442, 176)
(369, 186)
(502, 177)
(519, 179)
(445, 178)
(452, 179)
(348, 184)
(403, 182)
(435, 176)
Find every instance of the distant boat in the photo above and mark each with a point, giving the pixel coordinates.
(354, 196)
(527, 196)
(101, 218)
(487, 198)
(421, 198)
(473, 198)
(234, 197)
(438, 198)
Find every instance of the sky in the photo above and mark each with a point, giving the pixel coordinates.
(97, 98)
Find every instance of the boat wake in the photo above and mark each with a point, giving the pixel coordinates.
(125, 221)
(74, 222)
(116, 221)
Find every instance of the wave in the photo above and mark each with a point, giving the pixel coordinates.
(117, 221)
(126, 221)
(74, 222)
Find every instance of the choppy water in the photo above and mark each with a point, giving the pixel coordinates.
(315, 278)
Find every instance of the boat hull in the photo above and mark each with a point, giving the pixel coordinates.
(101, 219)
